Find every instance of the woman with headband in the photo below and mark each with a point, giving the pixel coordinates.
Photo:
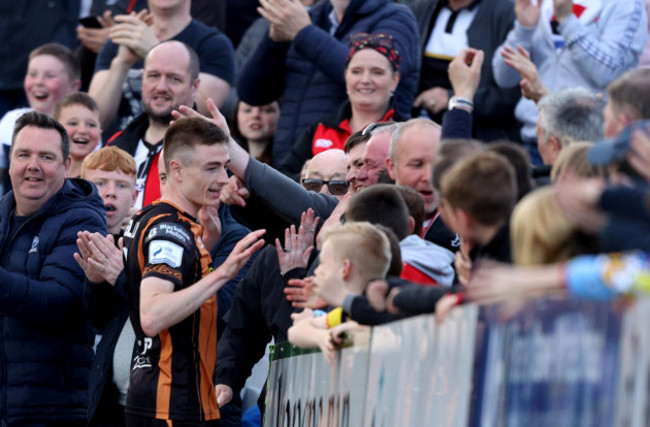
(371, 76)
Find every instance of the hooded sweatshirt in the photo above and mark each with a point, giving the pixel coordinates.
(425, 262)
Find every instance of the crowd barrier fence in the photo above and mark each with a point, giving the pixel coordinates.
(553, 363)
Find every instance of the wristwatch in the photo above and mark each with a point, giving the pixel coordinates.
(462, 103)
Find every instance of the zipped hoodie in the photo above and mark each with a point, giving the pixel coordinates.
(431, 260)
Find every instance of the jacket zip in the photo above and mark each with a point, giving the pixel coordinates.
(3, 363)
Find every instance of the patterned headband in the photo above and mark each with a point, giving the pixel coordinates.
(382, 43)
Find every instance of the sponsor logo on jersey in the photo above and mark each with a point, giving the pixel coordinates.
(165, 252)
(174, 231)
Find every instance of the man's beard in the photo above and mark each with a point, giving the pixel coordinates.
(163, 117)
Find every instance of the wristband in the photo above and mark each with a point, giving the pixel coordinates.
(584, 281)
(461, 103)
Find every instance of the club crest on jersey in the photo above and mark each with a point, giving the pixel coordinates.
(34, 248)
(165, 252)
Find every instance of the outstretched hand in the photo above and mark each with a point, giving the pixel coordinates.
(494, 282)
(239, 158)
(216, 117)
(297, 246)
(241, 253)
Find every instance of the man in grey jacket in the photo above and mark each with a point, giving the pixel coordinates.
(587, 44)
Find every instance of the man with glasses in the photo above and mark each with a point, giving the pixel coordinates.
(375, 153)
(326, 173)
(287, 199)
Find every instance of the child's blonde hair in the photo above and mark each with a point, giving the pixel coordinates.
(364, 245)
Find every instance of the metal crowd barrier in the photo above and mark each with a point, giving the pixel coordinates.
(554, 363)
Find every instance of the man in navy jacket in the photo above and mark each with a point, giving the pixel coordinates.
(45, 340)
(302, 60)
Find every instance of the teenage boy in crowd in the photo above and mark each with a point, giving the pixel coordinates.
(112, 170)
(52, 73)
(352, 255)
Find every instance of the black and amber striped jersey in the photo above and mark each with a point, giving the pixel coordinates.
(171, 373)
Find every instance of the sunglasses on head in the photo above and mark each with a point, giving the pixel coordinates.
(376, 125)
(335, 186)
(378, 39)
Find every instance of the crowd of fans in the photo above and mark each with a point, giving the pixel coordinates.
(327, 166)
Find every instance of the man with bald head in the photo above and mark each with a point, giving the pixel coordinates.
(411, 155)
(326, 173)
(170, 78)
(118, 71)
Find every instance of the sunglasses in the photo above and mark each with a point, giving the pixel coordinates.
(335, 186)
(373, 126)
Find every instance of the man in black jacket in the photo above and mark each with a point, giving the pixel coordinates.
(46, 341)
(446, 29)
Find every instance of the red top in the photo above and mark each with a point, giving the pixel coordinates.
(326, 138)
(414, 275)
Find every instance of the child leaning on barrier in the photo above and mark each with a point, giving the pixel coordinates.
(352, 255)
